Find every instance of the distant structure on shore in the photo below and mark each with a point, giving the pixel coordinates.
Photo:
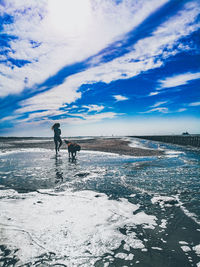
(185, 139)
(185, 133)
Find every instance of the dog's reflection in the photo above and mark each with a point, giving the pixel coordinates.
(58, 170)
(72, 160)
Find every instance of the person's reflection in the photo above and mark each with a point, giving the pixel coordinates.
(58, 170)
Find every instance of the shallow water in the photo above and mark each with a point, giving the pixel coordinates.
(102, 210)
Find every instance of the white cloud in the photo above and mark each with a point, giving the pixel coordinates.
(142, 58)
(178, 80)
(94, 108)
(161, 110)
(89, 27)
(153, 93)
(74, 119)
(106, 23)
(9, 118)
(100, 116)
(194, 104)
(120, 97)
(157, 104)
(181, 109)
(51, 100)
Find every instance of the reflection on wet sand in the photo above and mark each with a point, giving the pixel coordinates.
(58, 170)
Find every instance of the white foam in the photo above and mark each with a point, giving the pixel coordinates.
(31, 141)
(163, 223)
(183, 243)
(156, 248)
(23, 150)
(197, 249)
(163, 201)
(185, 248)
(111, 155)
(76, 224)
(191, 215)
(173, 153)
(135, 143)
(124, 256)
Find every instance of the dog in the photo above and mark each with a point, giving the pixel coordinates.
(72, 149)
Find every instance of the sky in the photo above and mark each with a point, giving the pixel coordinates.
(99, 67)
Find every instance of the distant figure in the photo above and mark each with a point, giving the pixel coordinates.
(57, 138)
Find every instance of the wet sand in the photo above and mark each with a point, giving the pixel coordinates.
(111, 145)
(119, 146)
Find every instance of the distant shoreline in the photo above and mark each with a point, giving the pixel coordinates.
(183, 140)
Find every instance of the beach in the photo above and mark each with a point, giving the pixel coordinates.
(123, 202)
(111, 145)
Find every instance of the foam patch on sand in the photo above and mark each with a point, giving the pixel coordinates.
(77, 227)
(197, 250)
(23, 150)
(136, 143)
(164, 201)
(173, 153)
(191, 215)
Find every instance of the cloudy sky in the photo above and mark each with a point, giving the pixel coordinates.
(99, 67)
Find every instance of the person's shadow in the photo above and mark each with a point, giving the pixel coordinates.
(58, 170)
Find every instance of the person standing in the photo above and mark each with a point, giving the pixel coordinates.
(57, 138)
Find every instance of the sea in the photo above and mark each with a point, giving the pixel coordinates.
(100, 210)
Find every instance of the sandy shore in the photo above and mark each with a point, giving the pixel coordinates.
(116, 145)
(111, 145)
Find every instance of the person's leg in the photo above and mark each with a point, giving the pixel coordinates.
(60, 144)
(56, 145)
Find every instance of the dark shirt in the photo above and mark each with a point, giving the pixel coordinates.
(57, 133)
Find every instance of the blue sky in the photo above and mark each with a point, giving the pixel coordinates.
(99, 67)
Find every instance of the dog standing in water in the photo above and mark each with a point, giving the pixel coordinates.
(72, 149)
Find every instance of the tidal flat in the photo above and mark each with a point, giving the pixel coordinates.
(123, 202)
